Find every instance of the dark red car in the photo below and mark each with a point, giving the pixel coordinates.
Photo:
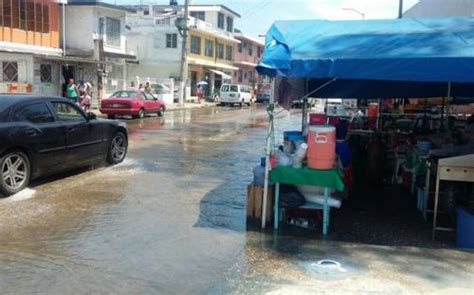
(133, 103)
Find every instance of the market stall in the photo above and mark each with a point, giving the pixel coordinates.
(401, 58)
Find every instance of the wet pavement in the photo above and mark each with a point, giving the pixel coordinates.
(171, 219)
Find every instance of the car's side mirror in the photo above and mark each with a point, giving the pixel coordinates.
(91, 116)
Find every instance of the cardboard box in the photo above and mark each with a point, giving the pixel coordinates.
(255, 202)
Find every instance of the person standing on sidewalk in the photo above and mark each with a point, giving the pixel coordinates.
(71, 91)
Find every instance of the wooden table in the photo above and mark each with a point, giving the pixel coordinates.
(452, 169)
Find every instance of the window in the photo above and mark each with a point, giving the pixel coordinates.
(230, 24)
(239, 78)
(240, 47)
(195, 45)
(39, 17)
(234, 88)
(30, 15)
(225, 88)
(148, 96)
(112, 31)
(250, 47)
(45, 72)
(171, 40)
(45, 19)
(23, 14)
(228, 52)
(7, 14)
(125, 94)
(198, 14)
(251, 75)
(15, 9)
(209, 48)
(220, 50)
(34, 113)
(220, 20)
(101, 27)
(10, 71)
(163, 21)
(259, 51)
(67, 112)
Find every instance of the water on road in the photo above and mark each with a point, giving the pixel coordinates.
(171, 219)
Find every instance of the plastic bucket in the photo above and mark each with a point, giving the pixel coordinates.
(373, 110)
(321, 147)
(465, 229)
(317, 118)
(424, 147)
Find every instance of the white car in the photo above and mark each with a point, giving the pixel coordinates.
(235, 94)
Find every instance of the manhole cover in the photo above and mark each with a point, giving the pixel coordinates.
(327, 266)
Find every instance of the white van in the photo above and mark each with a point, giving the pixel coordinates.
(235, 93)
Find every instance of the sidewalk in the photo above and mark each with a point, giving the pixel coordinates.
(173, 107)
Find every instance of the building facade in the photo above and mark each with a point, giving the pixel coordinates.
(96, 45)
(29, 35)
(157, 42)
(247, 55)
(441, 8)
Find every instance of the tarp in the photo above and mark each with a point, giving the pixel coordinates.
(421, 54)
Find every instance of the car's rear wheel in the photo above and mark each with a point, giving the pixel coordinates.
(15, 172)
(117, 148)
(161, 112)
(111, 117)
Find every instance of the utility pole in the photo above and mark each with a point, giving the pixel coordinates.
(400, 9)
(184, 52)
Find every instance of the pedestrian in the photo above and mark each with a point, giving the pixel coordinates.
(85, 101)
(148, 88)
(71, 91)
(140, 87)
(199, 93)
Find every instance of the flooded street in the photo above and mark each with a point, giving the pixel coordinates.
(171, 219)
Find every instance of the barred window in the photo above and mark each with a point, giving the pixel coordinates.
(171, 40)
(10, 71)
(228, 52)
(220, 50)
(112, 31)
(195, 45)
(45, 72)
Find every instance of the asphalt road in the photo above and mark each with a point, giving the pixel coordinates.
(171, 219)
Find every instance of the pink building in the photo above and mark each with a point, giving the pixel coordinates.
(247, 54)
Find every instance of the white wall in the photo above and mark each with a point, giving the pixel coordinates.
(148, 42)
(441, 8)
(79, 27)
(82, 26)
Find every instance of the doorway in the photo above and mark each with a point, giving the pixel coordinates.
(68, 73)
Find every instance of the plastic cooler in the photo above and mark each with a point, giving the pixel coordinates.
(321, 147)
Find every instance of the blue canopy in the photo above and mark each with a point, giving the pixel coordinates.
(375, 58)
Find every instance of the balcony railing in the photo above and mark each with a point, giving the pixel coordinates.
(208, 27)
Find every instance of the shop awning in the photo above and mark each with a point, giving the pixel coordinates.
(413, 57)
(224, 75)
(210, 64)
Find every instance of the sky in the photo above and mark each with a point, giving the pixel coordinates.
(258, 15)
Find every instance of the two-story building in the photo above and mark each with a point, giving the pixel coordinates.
(96, 45)
(247, 55)
(29, 35)
(157, 43)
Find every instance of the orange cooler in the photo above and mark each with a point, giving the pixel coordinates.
(321, 147)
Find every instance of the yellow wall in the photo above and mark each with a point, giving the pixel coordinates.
(208, 36)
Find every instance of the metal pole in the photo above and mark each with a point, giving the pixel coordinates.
(271, 105)
(448, 95)
(184, 55)
(400, 9)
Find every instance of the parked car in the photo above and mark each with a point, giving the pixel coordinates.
(263, 97)
(235, 94)
(133, 103)
(44, 135)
